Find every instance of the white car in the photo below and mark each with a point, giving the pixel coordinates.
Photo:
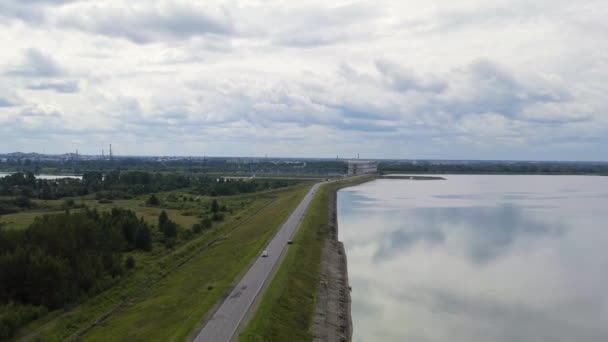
(264, 254)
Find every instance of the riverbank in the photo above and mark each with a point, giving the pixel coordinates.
(410, 177)
(332, 320)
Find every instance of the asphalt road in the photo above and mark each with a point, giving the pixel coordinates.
(225, 321)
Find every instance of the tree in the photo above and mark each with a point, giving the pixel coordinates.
(197, 228)
(153, 200)
(142, 237)
(170, 229)
(206, 223)
(162, 221)
(130, 262)
(217, 217)
(215, 207)
(166, 226)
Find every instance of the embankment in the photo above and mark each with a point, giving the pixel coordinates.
(332, 319)
(308, 297)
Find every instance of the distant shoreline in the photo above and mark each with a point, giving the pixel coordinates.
(410, 177)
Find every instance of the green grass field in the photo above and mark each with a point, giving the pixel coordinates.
(169, 294)
(287, 308)
(184, 213)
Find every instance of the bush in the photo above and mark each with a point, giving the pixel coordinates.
(215, 207)
(186, 234)
(206, 223)
(153, 200)
(7, 208)
(217, 217)
(197, 228)
(130, 262)
(170, 242)
(14, 316)
(23, 202)
(68, 203)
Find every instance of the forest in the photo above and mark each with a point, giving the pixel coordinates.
(126, 184)
(63, 258)
(71, 251)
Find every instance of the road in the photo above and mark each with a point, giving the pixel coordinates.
(225, 321)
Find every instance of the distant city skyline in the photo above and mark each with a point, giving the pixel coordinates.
(474, 80)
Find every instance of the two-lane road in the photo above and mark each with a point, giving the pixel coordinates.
(225, 321)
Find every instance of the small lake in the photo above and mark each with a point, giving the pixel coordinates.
(478, 258)
(43, 176)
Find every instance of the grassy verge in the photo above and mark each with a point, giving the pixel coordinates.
(287, 308)
(171, 309)
(168, 294)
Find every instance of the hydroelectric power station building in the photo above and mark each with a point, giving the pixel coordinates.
(361, 167)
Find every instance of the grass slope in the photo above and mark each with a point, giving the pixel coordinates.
(173, 307)
(163, 278)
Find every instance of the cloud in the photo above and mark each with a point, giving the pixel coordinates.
(32, 11)
(399, 242)
(490, 232)
(5, 103)
(316, 26)
(387, 79)
(60, 87)
(402, 79)
(146, 23)
(487, 87)
(37, 64)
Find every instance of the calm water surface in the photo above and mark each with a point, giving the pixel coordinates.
(478, 258)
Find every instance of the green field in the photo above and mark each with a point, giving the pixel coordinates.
(183, 212)
(168, 294)
(287, 308)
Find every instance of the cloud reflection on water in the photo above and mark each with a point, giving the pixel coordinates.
(448, 262)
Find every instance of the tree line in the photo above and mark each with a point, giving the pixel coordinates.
(495, 167)
(62, 258)
(127, 184)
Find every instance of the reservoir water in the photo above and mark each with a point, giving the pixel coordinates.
(478, 258)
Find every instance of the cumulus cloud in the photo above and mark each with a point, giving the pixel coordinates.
(60, 87)
(31, 11)
(387, 79)
(37, 64)
(403, 79)
(145, 22)
(5, 102)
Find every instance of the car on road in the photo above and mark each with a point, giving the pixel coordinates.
(264, 254)
(289, 242)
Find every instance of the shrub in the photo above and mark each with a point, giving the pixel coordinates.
(153, 200)
(130, 262)
(14, 316)
(206, 223)
(197, 228)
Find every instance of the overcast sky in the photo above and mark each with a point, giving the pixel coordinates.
(474, 79)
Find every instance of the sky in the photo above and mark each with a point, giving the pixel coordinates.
(469, 79)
